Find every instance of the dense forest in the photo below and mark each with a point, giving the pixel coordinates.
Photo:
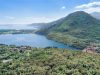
(25, 60)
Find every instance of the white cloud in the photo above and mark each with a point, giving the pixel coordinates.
(91, 10)
(90, 7)
(63, 7)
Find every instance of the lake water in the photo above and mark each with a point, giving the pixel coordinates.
(33, 40)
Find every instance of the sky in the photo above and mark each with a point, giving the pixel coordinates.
(37, 11)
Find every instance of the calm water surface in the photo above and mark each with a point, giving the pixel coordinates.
(33, 40)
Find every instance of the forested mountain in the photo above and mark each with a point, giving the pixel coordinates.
(77, 29)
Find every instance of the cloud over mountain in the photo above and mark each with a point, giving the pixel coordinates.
(90, 7)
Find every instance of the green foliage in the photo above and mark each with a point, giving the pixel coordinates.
(47, 61)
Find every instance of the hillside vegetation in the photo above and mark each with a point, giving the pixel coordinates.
(78, 29)
(25, 60)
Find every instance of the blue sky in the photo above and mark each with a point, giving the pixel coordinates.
(34, 11)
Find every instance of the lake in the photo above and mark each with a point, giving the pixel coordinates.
(33, 40)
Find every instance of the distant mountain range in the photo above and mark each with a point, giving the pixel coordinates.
(77, 29)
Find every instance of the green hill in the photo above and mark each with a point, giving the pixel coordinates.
(77, 29)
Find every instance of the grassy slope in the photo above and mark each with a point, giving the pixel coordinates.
(48, 61)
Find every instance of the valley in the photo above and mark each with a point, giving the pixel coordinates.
(68, 46)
